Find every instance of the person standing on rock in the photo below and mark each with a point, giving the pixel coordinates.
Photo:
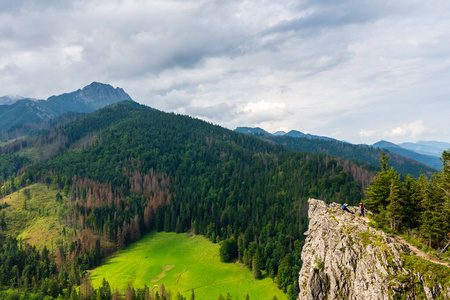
(344, 207)
(361, 208)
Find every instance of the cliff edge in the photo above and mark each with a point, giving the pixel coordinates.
(344, 258)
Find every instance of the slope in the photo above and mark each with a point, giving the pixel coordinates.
(432, 148)
(37, 219)
(428, 160)
(359, 153)
(405, 162)
(90, 98)
(182, 263)
(344, 258)
(127, 169)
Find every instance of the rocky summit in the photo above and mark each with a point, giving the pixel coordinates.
(345, 258)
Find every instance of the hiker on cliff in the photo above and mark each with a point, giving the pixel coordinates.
(344, 207)
(361, 208)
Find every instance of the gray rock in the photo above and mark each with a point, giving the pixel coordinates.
(344, 258)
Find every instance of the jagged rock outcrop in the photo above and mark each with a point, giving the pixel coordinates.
(344, 258)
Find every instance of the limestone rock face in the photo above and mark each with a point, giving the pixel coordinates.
(344, 258)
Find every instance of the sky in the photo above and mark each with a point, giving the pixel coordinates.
(355, 70)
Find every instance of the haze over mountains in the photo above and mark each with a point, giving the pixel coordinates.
(424, 152)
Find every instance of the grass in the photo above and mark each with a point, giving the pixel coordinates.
(182, 263)
(432, 273)
(4, 143)
(39, 223)
(412, 240)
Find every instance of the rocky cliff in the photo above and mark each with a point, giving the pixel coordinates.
(344, 258)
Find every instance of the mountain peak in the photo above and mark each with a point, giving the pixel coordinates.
(385, 144)
(100, 94)
(251, 130)
(92, 97)
(295, 133)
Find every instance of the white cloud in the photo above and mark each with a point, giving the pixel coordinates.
(367, 133)
(325, 67)
(411, 130)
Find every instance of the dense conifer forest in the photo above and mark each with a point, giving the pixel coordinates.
(127, 169)
(418, 207)
(360, 154)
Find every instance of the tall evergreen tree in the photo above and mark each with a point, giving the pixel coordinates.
(394, 211)
(380, 189)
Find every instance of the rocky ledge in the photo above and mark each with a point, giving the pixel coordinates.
(344, 258)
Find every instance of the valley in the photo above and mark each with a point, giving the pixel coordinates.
(145, 198)
(182, 263)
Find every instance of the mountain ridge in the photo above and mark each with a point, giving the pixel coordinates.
(429, 160)
(400, 157)
(92, 97)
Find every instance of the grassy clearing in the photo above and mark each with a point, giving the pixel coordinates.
(182, 263)
(38, 220)
(4, 143)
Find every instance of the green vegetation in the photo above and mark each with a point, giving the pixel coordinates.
(182, 263)
(430, 273)
(10, 164)
(361, 154)
(126, 170)
(37, 218)
(419, 207)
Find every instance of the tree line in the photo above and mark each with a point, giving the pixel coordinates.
(420, 207)
(144, 170)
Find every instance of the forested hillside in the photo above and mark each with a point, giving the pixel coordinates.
(361, 154)
(419, 207)
(127, 169)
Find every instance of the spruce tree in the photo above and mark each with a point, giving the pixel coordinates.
(394, 211)
(380, 189)
(255, 266)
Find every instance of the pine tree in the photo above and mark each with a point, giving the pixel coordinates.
(379, 191)
(444, 184)
(431, 229)
(255, 266)
(394, 211)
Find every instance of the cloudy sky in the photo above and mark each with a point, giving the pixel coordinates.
(355, 70)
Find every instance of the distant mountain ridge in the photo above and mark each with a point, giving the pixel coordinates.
(292, 133)
(432, 148)
(295, 133)
(429, 160)
(27, 110)
(252, 130)
(404, 161)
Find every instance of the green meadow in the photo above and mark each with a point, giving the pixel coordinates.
(182, 263)
(37, 220)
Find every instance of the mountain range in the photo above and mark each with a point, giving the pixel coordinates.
(425, 152)
(126, 169)
(15, 112)
(429, 160)
(292, 133)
